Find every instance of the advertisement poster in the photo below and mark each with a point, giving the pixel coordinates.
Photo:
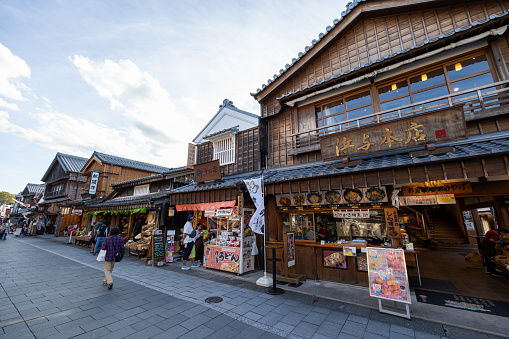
(349, 251)
(343, 214)
(335, 259)
(362, 262)
(170, 245)
(375, 196)
(222, 258)
(290, 245)
(387, 274)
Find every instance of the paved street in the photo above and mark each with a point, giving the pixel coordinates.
(53, 290)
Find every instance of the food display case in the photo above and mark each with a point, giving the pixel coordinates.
(230, 249)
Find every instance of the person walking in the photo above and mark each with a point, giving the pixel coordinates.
(3, 231)
(112, 245)
(188, 236)
(102, 233)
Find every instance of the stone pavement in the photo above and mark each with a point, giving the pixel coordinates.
(53, 290)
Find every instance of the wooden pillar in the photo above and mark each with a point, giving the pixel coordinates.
(271, 219)
(501, 211)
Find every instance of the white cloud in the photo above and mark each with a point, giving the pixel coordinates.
(10, 106)
(12, 68)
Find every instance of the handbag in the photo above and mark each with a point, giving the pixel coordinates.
(119, 256)
(192, 234)
(101, 256)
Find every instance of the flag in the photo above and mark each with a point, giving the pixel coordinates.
(36, 204)
(255, 188)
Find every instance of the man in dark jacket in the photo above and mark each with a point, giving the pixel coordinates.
(137, 227)
(113, 245)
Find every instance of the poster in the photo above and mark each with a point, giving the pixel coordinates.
(362, 262)
(170, 245)
(349, 251)
(387, 274)
(335, 259)
(342, 214)
(375, 196)
(290, 245)
(222, 258)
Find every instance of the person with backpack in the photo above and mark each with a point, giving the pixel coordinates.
(114, 247)
(188, 238)
(101, 234)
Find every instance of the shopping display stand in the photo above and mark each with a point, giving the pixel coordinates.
(289, 258)
(274, 290)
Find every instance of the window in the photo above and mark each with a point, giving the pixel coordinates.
(142, 189)
(452, 77)
(56, 189)
(342, 109)
(224, 150)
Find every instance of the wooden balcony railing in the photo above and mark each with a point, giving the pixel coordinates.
(473, 100)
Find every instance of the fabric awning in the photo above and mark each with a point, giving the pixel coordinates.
(206, 206)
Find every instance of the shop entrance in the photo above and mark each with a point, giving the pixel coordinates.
(443, 235)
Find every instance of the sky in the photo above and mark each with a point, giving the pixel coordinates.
(135, 79)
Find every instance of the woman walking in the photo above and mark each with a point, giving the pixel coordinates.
(113, 245)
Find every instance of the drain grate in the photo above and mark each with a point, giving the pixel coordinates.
(213, 300)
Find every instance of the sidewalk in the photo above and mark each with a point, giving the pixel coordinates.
(313, 310)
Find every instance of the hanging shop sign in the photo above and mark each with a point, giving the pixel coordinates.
(426, 200)
(438, 187)
(191, 155)
(290, 248)
(387, 274)
(94, 179)
(417, 130)
(76, 212)
(340, 214)
(207, 171)
(391, 220)
(350, 197)
(224, 212)
(210, 213)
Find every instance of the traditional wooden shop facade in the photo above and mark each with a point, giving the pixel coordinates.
(63, 183)
(394, 99)
(222, 155)
(101, 171)
(146, 198)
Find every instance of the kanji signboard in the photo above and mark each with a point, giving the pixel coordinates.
(417, 130)
(207, 171)
(438, 188)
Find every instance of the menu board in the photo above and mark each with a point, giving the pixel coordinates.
(158, 250)
(170, 245)
(387, 274)
(334, 259)
(348, 197)
(290, 248)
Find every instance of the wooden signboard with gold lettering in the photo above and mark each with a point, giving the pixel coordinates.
(207, 171)
(437, 188)
(416, 130)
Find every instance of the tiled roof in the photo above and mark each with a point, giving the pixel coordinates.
(233, 129)
(69, 163)
(226, 182)
(349, 7)
(135, 199)
(34, 189)
(118, 161)
(150, 178)
(462, 150)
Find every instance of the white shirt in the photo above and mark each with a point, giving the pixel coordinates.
(188, 228)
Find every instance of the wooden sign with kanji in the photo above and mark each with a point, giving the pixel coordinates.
(407, 132)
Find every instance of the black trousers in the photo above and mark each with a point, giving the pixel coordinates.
(488, 252)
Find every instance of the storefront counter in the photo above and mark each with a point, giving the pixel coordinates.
(227, 258)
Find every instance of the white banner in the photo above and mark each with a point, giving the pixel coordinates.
(94, 179)
(224, 212)
(350, 214)
(254, 186)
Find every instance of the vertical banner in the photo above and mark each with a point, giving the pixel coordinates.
(94, 179)
(254, 186)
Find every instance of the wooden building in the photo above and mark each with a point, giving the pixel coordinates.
(146, 198)
(100, 172)
(63, 183)
(396, 100)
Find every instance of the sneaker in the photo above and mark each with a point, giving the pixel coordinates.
(195, 265)
(186, 267)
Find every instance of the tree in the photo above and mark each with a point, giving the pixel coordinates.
(6, 198)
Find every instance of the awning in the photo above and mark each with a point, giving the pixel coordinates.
(206, 206)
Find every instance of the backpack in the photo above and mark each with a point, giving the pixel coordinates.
(101, 231)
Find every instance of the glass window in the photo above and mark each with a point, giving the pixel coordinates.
(333, 108)
(303, 226)
(393, 90)
(357, 100)
(427, 80)
(467, 67)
